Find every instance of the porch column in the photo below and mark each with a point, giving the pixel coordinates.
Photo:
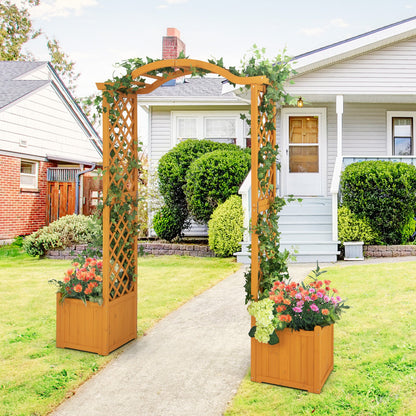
(340, 111)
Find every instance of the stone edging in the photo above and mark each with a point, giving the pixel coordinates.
(156, 249)
(390, 251)
(162, 249)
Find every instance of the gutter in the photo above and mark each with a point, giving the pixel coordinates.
(77, 180)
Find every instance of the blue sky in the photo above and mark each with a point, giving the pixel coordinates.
(98, 33)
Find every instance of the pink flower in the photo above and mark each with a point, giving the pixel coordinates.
(297, 309)
(298, 296)
(314, 308)
(326, 298)
(320, 295)
(300, 303)
(311, 290)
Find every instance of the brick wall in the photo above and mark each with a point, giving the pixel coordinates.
(172, 45)
(390, 251)
(21, 212)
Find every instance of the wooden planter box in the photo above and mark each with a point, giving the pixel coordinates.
(302, 359)
(95, 328)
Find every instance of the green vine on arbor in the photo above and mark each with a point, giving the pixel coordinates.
(273, 262)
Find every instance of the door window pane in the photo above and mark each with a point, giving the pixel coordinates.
(303, 130)
(304, 159)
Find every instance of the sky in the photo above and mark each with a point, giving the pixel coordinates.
(96, 34)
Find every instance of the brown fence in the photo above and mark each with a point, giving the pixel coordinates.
(60, 200)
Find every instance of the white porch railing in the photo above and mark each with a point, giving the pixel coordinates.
(340, 163)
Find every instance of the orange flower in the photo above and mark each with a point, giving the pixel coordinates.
(325, 312)
(77, 288)
(286, 301)
(87, 291)
(67, 279)
(281, 308)
(98, 278)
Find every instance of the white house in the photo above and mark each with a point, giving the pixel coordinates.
(41, 128)
(359, 103)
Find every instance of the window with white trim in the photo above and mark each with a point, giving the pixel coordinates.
(401, 133)
(218, 126)
(28, 174)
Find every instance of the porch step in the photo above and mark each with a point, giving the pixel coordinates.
(306, 231)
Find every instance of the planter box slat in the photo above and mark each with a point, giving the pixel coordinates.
(95, 328)
(302, 359)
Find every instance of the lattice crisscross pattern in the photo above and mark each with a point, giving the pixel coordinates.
(263, 141)
(120, 190)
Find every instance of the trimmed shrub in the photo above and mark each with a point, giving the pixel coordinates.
(169, 222)
(408, 230)
(67, 231)
(382, 192)
(225, 228)
(173, 166)
(353, 228)
(213, 178)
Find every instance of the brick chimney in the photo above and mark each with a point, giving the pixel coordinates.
(172, 45)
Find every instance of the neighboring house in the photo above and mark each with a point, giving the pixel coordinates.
(359, 100)
(45, 140)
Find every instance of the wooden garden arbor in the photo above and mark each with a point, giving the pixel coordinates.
(119, 146)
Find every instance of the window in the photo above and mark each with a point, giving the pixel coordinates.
(401, 133)
(28, 175)
(224, 126)
(402, 136)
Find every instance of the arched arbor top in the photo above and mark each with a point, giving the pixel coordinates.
(169, 69)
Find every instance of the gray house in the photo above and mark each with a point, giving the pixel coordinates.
(359, 103)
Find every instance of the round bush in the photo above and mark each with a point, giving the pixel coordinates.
(384, 193)
(353, 228)
(67, 231)
(225, 228)
(169, 222)
(213, 178)
(173, 166)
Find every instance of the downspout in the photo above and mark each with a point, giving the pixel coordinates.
(77, 181)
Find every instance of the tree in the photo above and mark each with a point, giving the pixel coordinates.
(63, 64)
(16, 28)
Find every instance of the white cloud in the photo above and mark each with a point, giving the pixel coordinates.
(313, 31)
(162, 6)
(176, 1)
(408, 6)
(53, 8)
(338, 23)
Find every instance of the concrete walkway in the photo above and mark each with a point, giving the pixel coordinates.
(190, 363)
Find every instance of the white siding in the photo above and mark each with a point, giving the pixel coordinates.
(386, 71)
(41, 73)
(47, 125)
(160, 135)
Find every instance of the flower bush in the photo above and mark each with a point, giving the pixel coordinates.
(82, 281)
(296, 306)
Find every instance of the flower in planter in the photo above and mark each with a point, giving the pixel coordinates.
(82, 281)
(297, 306)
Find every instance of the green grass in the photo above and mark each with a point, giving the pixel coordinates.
(34, 375)
(375, 352)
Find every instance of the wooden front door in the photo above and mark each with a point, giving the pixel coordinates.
(305, 164)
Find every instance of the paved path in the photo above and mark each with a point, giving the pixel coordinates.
(190, 363)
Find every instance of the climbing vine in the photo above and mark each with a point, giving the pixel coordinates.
(273, 262)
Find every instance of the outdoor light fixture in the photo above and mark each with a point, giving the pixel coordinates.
(300, 102)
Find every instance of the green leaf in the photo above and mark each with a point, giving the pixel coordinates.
(252, 332)
(274, 339)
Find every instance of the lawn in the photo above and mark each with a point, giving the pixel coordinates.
(375, 352)
(34, 375)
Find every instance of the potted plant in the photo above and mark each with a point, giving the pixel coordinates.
(293, 337)
(79, 310)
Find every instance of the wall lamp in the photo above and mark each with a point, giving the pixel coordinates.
(300, 102)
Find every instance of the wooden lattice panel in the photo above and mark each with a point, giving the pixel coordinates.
(120, 189)
(262, 194)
